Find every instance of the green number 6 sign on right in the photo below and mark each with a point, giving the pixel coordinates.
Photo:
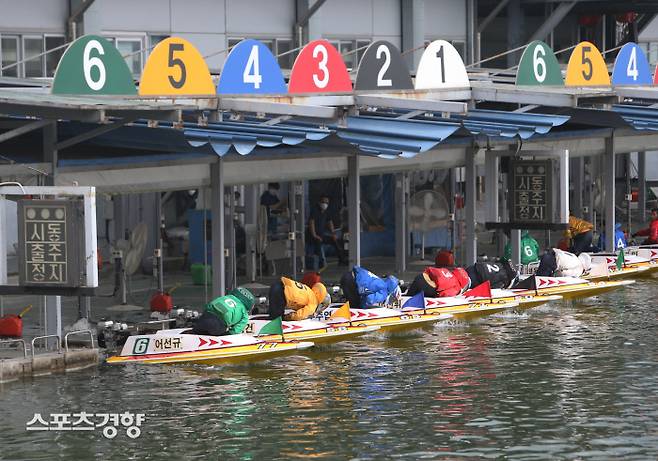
(92, 65)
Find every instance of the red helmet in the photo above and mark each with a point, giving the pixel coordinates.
(444, 258)
(311, 278)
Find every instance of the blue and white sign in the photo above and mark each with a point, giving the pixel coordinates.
(631, 67)
(251, 68)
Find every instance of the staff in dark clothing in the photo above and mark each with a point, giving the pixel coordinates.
(321, 231)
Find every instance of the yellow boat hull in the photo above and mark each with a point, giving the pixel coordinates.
(584, 290)
(622, 274)
(400, 323)
(329, 335)
(232, 355)
(473, 311)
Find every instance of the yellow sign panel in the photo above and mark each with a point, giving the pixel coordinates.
(587, 67)
(176, 67)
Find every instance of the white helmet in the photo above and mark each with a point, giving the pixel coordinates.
(326, 301)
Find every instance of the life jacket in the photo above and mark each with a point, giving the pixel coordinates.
(448, 283)
(499, 275)
(372, 289)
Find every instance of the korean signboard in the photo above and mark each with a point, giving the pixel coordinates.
(50, 242)
(531, 192)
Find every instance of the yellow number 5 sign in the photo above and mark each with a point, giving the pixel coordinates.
(176, 67)
(586, 67)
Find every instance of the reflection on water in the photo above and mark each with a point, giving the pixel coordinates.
(564, 381)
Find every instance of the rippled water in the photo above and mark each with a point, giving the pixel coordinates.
(563, 381)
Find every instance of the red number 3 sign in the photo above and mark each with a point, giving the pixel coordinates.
(319, 68)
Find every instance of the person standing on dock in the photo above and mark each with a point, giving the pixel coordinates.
(650, 232)
(321, 231)
(529, 249)
(580, 233)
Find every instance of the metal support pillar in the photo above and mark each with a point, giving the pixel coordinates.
(577, 174)
(470, 194)
(3, 241)
(491, 166)
(217, 228)
(50, 152)
(515, 30)
(564, 186)
(453, 208)
(629, 192)
(516, 246)
(231, 281)
(471, 30)
(642, 184)
(401, 180)
(251, 210)
(558, 14)
(588, 207)
(354, 209)
(413, 31)
(301, 221)
(609, 195)
(53, 316)
(292, 229)
(53, 304)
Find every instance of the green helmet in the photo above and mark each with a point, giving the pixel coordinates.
(244, 296)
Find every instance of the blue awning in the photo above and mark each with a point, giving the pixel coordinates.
(390, 138)
(639, 117)
(386, 135)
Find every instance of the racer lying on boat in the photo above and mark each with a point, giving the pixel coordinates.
(558, 263)
(440, 282)
(226, 315)
(499, 275)
(304, 301)
(363, 289)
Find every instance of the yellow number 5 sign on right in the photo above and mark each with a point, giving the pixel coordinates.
(587, 67)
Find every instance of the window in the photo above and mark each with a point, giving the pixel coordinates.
(347, 46)
(9, 53)
(131, 50)
(286, 61)
(52, 58)
(155, 39)
(33, 56)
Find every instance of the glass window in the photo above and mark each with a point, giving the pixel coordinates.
(362, 46)
(32, 48)
(131, 52)
(232, 42)
(283, 45)
(350, 59)
(9, 56)
(52, 58)
(155, 39)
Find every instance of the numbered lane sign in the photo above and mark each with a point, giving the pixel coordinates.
(538, 66)
(319, 68)
(92, 65)
(175, 66)
(631, 67)
(251, 68)
(586, 67)
(382, 68)
(441, 66)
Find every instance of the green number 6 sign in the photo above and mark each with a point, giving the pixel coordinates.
(92, 65)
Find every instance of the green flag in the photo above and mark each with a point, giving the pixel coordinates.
(620, 259)
(275, 327)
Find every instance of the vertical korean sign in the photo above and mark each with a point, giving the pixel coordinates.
(530, 189)
(49, 243)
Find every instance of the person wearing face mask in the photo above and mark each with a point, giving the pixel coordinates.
(270, 200)
(321, 231)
